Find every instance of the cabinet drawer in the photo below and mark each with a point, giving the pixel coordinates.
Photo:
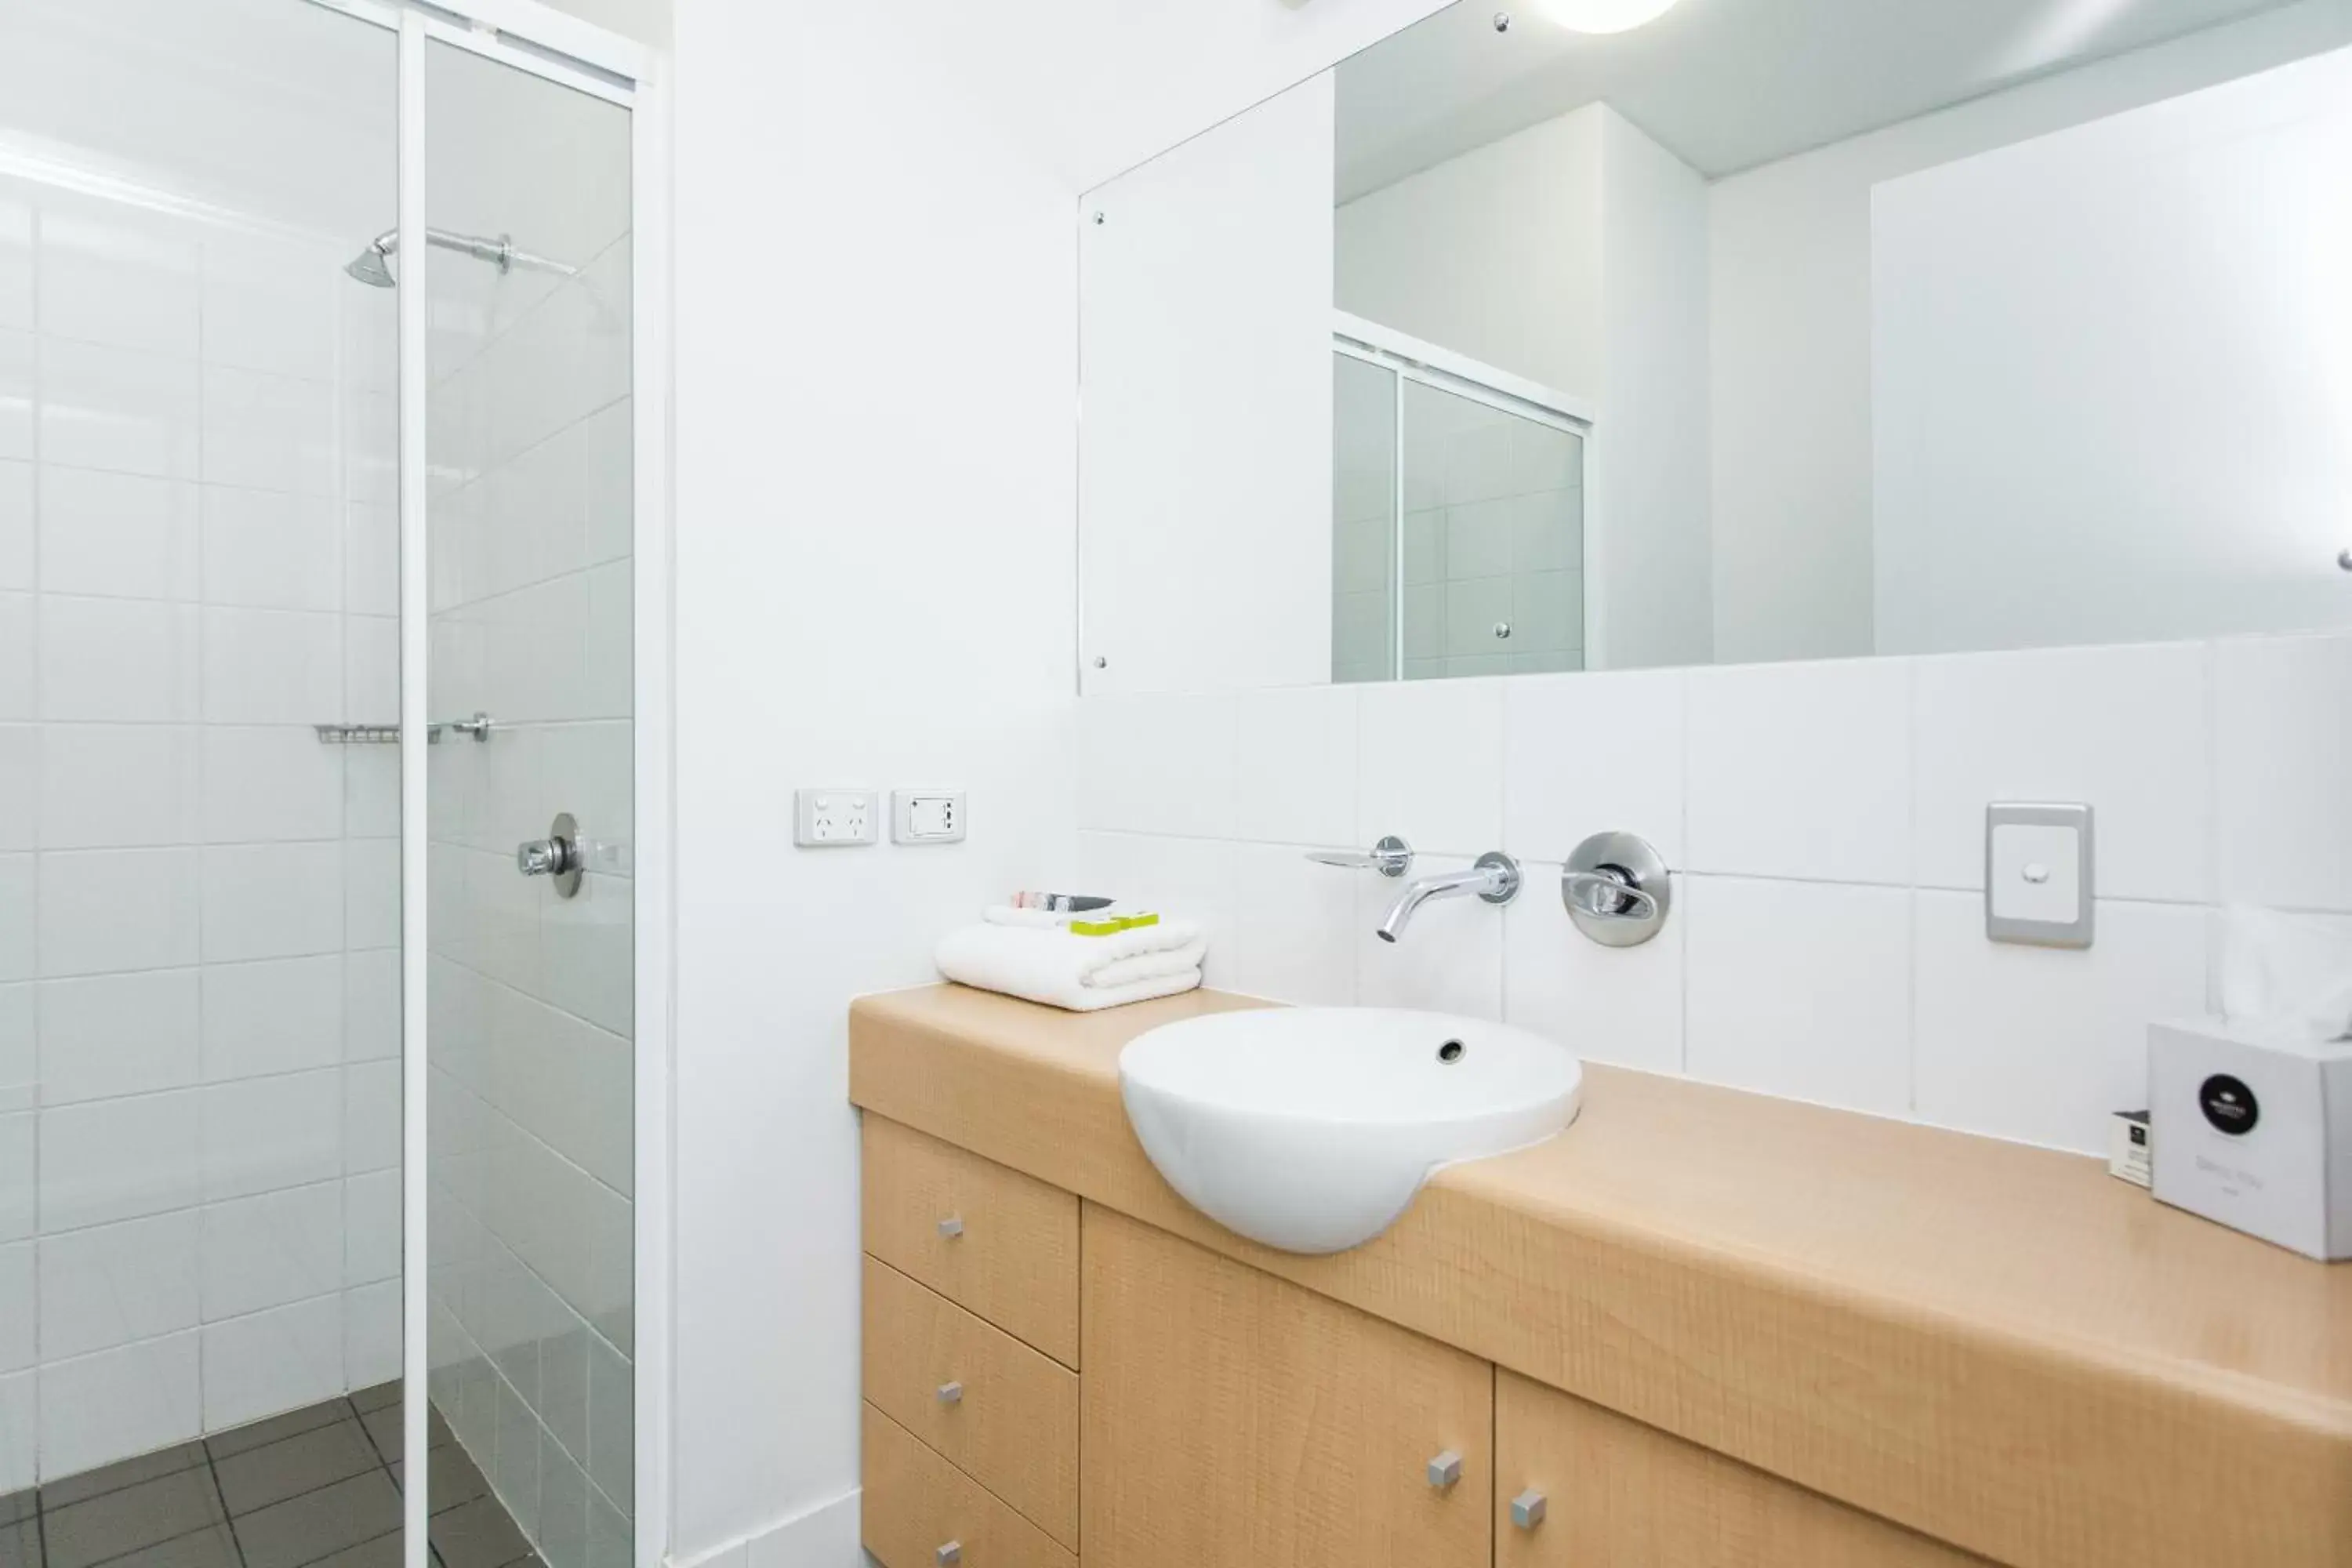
(916, 1503)
(994, 1241)
(1619, 1493)
(1012, 1423)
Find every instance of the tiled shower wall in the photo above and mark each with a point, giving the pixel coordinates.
(199, 1208)
(1825, 825)
(531, 996)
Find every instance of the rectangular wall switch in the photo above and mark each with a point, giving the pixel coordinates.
(836, 818)
(2038, 885)
(927, 817)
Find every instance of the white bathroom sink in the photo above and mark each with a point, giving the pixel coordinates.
(1311, 1129)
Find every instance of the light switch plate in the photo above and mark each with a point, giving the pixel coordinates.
(927, 817)
(836, 818)
(2038, 885)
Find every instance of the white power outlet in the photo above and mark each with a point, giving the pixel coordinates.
(834, 818)
(927, 817)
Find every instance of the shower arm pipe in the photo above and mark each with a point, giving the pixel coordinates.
(499, 252)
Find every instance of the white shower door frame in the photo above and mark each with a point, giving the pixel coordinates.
(547, 43)
(1410, 359)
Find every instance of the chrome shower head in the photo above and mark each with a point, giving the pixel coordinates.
(372, 265)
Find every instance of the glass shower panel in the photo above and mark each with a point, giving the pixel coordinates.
(199, 897)
(1494, 539)
(531, 1130)
(1363, 520)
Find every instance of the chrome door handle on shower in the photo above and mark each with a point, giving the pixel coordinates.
(1609, 896)
(559, 854)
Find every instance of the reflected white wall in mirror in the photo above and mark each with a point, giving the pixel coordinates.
(1891, 328)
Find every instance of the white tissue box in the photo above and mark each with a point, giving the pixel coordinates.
(2254, 1130)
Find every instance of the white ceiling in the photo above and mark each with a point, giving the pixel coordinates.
(1724, 84)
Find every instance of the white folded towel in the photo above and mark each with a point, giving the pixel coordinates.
(1081, 973)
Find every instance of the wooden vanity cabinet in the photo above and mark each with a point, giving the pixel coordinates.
(1230, 1417)
(1578, 1486)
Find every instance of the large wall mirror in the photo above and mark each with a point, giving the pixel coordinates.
(1765, 330)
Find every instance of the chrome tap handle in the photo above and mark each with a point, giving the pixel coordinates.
(1392, 857)
(559, 854)
(1609, 896)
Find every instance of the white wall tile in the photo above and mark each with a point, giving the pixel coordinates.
(371, 1233)
(268, 783)
(272, 667)
(371, 792)
(19, 664)
(372, 900)
(272, 1249)
(19, 1443)
(19, 1073)
(272, 550)
(113, 1284)
(19, 1175)
(264, 1134)
(1620, 1005)
(20, 791)
(19, 1299)
(1295, 927)
(2123, 728)
(111, 786)
(611, 1426)
(1157, 763)
(126, 412)
(113, 1160)
(371, 1117)
(272, 1017)
(370, 560)
(121, 536)
(18, 402)
(19, 917)
(120, 277)
(272, 900)
(1188, 877)
(269, 432)
(2283, 747)
(2044, 1044)
(108, 910)
(141, 1397)
(270, 305)
(17, 527)
(122, 660)
(1450, 959)
(372, 668)
(1593, 753)
(371, 1005)
(1802, 770)
(1430, 756)
(1801, 989)
(1295, 766)
(117, 1034)
(371, 1334)
(278, 1360)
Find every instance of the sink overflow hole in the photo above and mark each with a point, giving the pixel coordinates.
(1451, 1051)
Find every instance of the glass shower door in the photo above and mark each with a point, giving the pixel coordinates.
(531, 1126)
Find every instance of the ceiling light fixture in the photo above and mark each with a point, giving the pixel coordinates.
(1603, 15)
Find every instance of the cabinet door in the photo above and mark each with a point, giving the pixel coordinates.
(1616, 1491)
(1230, 1417)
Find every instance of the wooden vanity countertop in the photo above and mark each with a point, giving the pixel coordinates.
(2002, 1346)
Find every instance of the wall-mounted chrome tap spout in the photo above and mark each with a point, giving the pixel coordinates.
(1496, 878)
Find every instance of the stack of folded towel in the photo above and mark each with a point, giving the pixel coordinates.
(1033, 954)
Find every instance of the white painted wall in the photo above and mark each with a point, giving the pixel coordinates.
(1495, 253)
(1791, 288)
(1205, 449)
(2112, 399)
(876, 361)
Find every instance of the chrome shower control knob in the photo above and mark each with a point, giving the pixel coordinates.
(557, 856)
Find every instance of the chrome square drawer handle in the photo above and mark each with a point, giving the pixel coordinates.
(1445, 1469)
(951, 1394)
(950, 1554)
(1527, 1509)
(951, 1227)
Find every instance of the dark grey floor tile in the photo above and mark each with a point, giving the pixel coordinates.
(319, 1523)
(453, 1478)
(71, 1489)
(477, 1534)
(214, 1548)
(20, 1544)
(384, 1427)
(119, 1522)
(304, 1462)
(384, 1551)
(376, 1398)
(278, 1428)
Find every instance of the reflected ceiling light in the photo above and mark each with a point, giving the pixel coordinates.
(1603, 15)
